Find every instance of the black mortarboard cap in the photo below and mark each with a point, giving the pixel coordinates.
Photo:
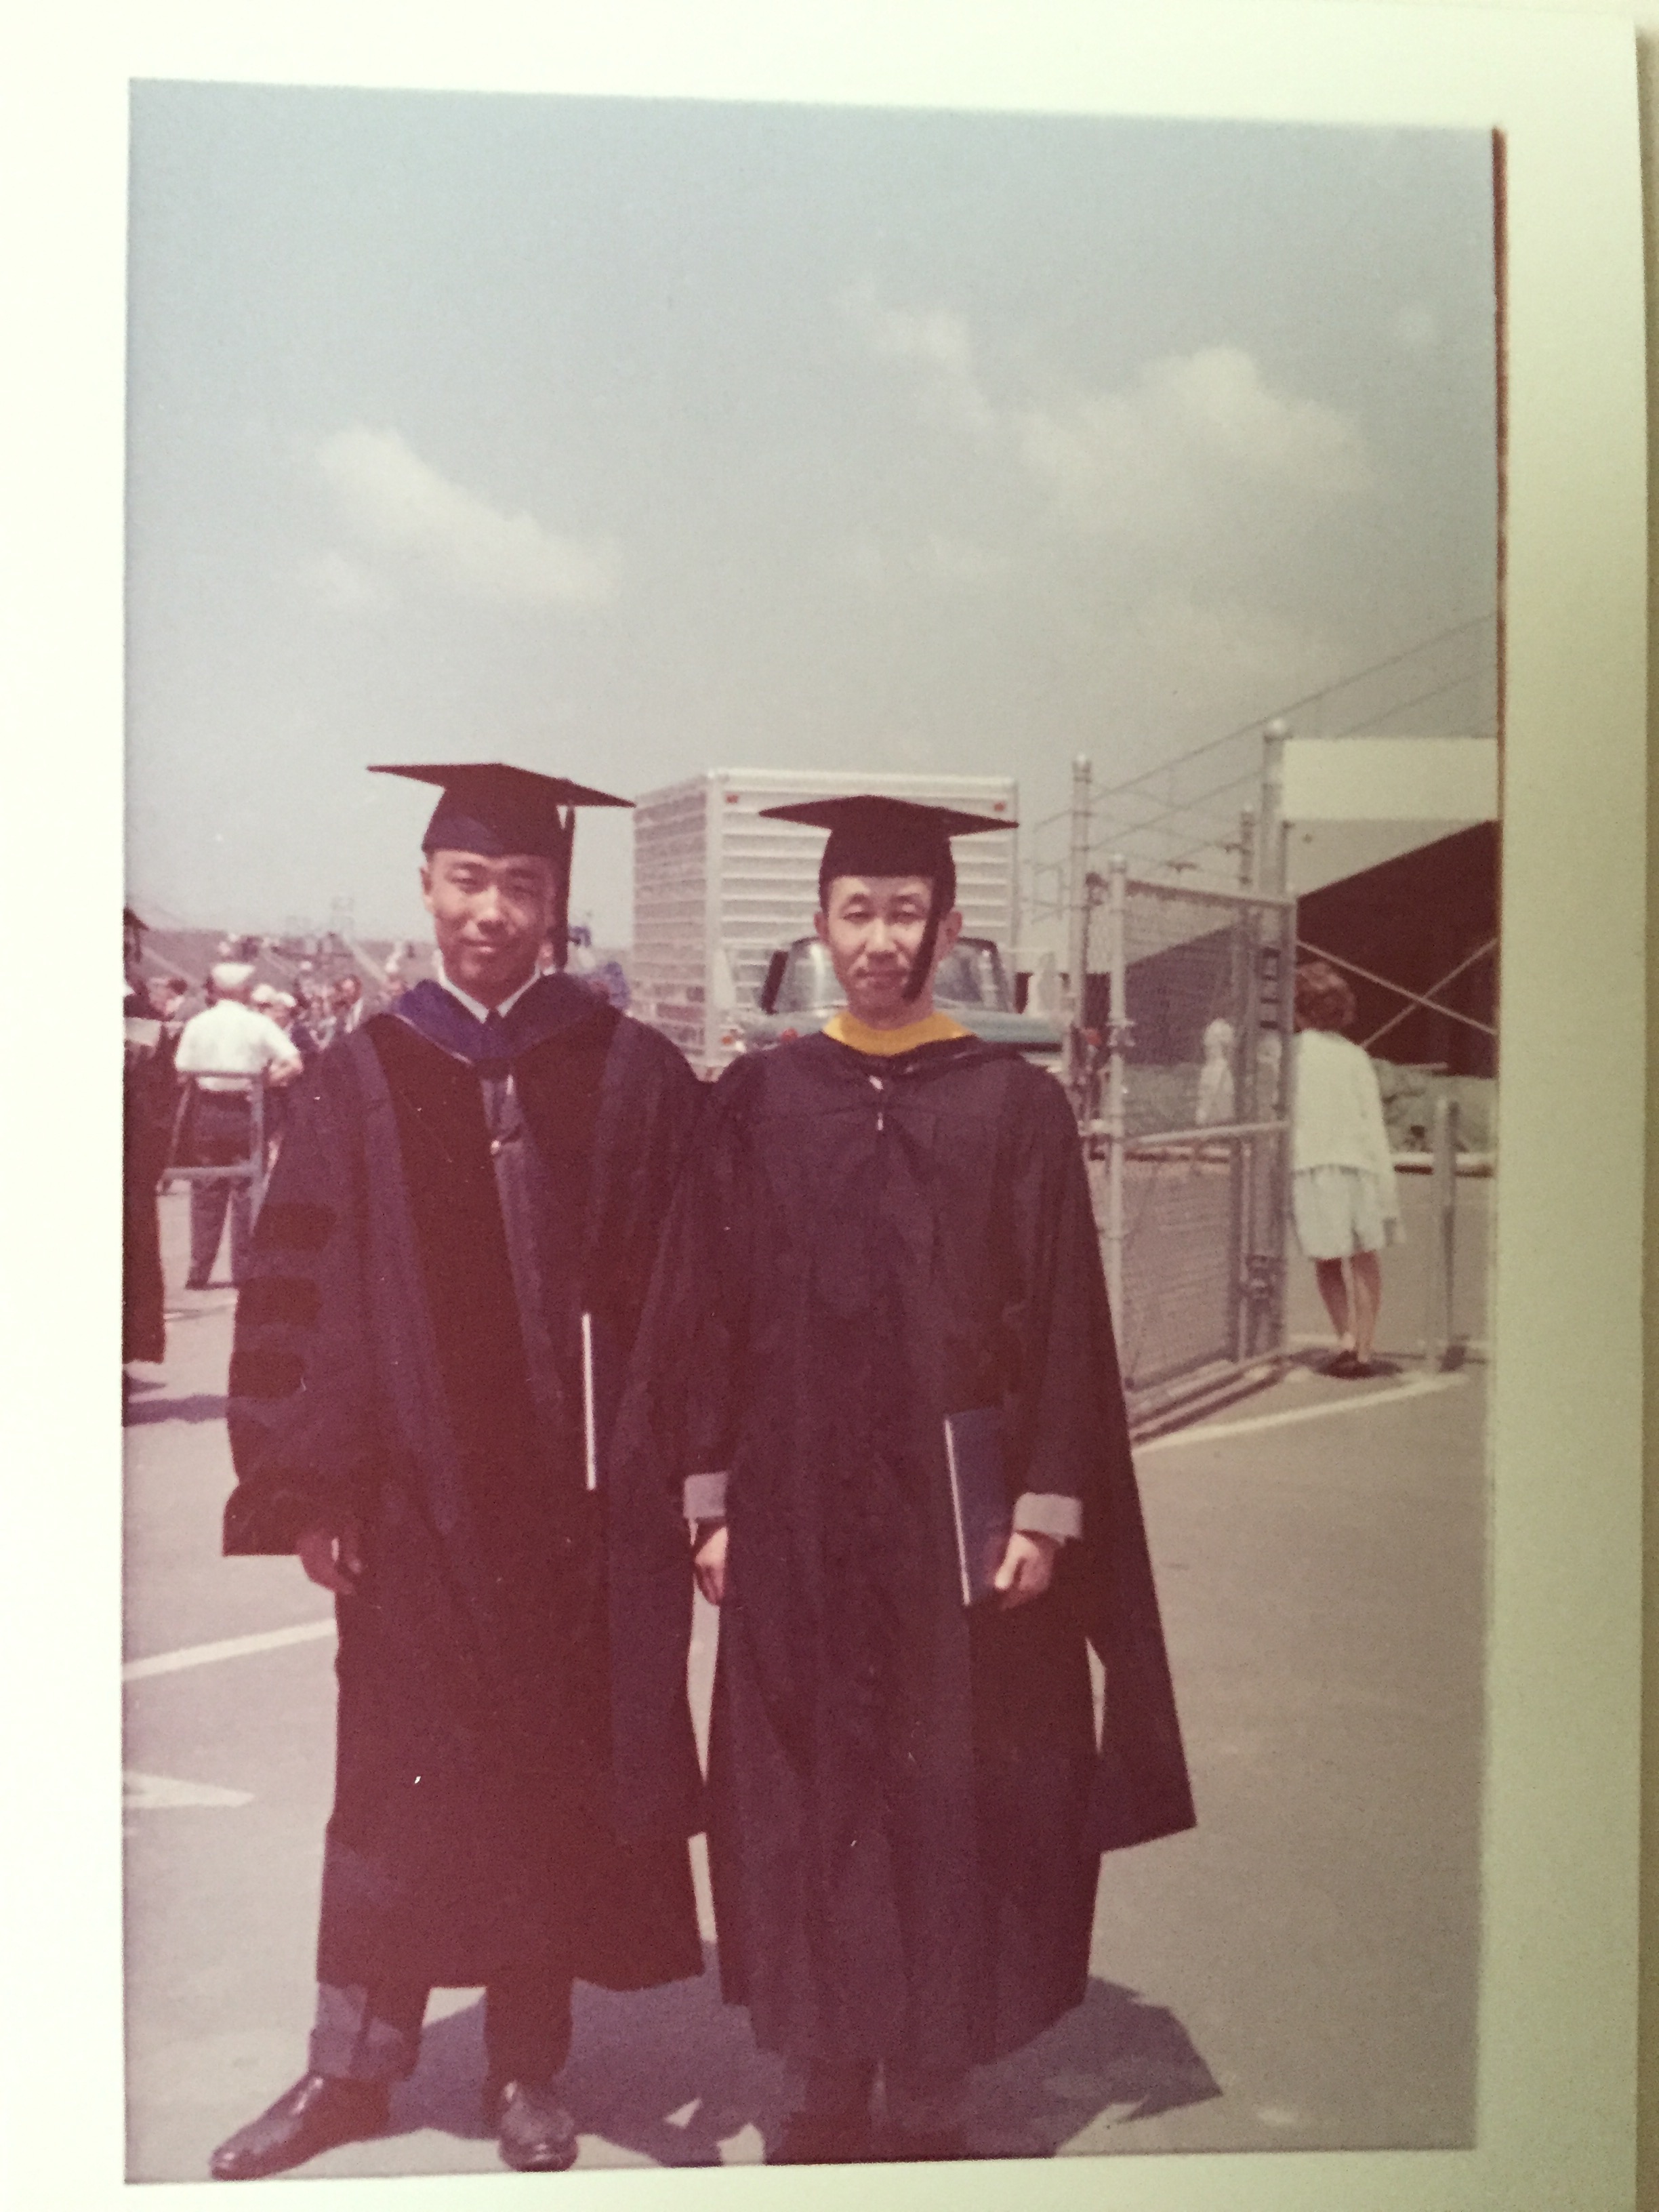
(871, 836)
(494, 809)
(875, 836)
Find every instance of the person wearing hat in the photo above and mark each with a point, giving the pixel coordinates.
(446, 1277)
(879, 1358)
(226, 1048)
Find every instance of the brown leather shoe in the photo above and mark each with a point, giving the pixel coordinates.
(320, 2111)
(824, 2139)
(534, 2131)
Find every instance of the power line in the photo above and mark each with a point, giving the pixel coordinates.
(1292, 706)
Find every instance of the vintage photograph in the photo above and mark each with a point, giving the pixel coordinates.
(811, 982)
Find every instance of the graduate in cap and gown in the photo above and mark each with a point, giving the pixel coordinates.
(879, 1354)
(447, 1275)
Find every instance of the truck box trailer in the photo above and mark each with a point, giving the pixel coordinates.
(717, 889)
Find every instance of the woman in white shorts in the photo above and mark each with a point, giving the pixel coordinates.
(1342, 1188)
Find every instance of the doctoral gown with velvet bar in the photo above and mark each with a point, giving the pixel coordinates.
(380, 1370)
(907, 1800)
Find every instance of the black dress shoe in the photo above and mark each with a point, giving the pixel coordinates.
(318, 2111)
(534, 2131)
(824, 2139)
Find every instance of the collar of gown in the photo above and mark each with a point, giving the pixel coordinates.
(546, 1005)
(887, 1044)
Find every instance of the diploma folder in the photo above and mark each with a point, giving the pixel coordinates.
(979, 1497)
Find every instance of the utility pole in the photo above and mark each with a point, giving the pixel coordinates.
(1117, 1045)
(1270, 847)
(1077, 899)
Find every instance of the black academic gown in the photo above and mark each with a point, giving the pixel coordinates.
(409, 1349)
(907, 1800)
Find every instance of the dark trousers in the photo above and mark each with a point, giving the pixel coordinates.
(373, 2033)
(221, 1136)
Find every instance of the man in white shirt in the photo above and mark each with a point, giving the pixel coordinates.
(226, 1050)
(348, 1007)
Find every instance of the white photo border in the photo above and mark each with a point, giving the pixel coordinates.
(1558, 2016)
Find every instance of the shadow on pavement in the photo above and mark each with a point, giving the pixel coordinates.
(1114, 2053)
(671, 2075)
(200, 1407)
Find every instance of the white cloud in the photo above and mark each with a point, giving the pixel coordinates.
(934, 341)
(1196, 449)
(399, 507)
(1174, 451)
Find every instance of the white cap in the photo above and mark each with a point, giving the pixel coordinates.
(231, 976)
(263, 994)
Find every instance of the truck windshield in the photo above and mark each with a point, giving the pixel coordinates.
(970, 975)
(809, 981)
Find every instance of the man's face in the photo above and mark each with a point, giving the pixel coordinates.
(873, 926)
(489, 918)
(348, 991)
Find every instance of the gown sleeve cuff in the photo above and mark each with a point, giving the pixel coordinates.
(705, 1497)
(1045, 1513)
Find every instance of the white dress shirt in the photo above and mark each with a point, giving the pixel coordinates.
(479, 1013)
(232, 1040)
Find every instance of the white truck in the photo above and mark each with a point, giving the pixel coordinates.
(717, 889)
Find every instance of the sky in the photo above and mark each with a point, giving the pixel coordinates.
(631, 438)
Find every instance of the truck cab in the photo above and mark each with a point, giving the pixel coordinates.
(800, 994)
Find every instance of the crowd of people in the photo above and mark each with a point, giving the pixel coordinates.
(195, 1057)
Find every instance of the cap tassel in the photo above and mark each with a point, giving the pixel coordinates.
(560, 931)
(916, 982)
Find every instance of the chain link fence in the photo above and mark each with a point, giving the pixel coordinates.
(1186, 1121)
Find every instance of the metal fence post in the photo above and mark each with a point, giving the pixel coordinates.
(1117, 1099)
(1247, 849)
(1077, 899)
(1439, 1332)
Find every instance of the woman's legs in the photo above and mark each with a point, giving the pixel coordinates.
(1333, 1289)
(1367, 1302)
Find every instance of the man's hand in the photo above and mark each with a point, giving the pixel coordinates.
(333, 1556)
(1027, 1569)
(709, 1559)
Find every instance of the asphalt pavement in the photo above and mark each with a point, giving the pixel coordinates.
(1299, 1971)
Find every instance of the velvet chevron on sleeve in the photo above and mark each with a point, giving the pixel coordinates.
(302, 1427)
(447, 1277)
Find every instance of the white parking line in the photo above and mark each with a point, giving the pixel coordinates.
(233, 1647)
(1425, 1386)
(161, 1793)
